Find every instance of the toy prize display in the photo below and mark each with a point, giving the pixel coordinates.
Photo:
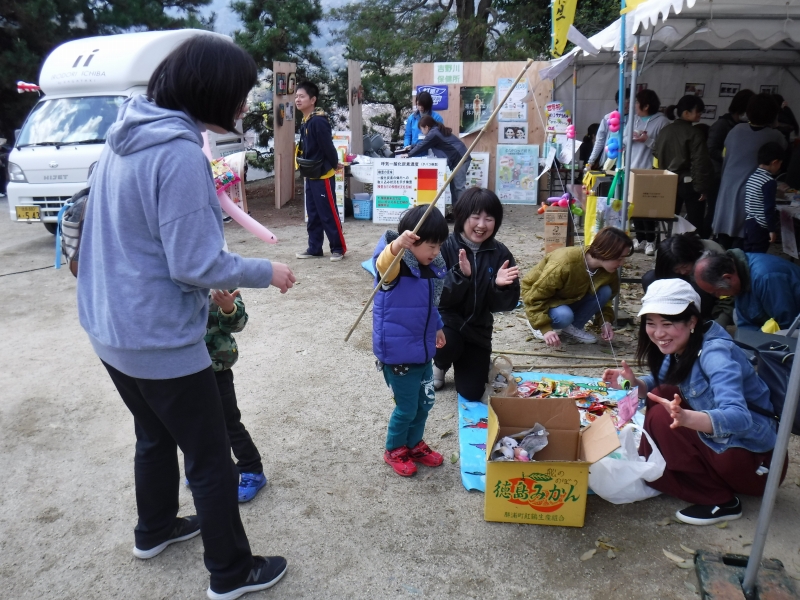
(516, 171)
(400, 184)
(478, 172)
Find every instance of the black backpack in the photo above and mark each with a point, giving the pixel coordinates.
(773, 363)
(70, 227)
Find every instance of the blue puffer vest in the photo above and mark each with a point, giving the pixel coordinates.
(405, 318)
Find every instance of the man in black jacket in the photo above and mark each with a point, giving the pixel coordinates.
(317, 152)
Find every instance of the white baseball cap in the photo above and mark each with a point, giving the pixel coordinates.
(669, 297)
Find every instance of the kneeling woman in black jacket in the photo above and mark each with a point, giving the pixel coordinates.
(482, 278)
(444, 144)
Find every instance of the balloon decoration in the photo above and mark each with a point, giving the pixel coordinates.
(612, 148)
(224, 177)
(571, 132)
(563, 201)
(614, 121)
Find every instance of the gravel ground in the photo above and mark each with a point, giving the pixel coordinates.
(318, 410)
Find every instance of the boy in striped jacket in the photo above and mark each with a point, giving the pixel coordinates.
(761, 223)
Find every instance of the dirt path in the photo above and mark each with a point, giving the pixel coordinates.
(317, 410)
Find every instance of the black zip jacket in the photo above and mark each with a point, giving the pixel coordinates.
(316, 142)
(467, 303)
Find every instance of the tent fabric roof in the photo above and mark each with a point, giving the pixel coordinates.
(719, 32)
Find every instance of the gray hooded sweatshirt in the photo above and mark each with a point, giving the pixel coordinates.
(153, 245)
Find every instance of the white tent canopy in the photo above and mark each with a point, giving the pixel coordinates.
(690, 41)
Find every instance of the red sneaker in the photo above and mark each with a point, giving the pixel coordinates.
(399, 461)
(423, 455)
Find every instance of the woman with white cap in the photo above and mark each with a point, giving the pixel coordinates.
(715, 447)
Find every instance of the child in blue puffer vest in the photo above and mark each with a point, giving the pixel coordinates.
(407, 330)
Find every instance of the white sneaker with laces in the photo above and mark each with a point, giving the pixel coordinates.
(438, 377)
(638, 246)
(579, 335)
(650, 249)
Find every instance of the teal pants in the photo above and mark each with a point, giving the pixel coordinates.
(414, 396)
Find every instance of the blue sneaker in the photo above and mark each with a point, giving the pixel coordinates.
(250, 484)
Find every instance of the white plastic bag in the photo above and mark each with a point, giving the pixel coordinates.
(681, 225)
(622, 480)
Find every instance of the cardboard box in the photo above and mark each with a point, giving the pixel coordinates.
(550, 490)
(652, 193)
(557, 232)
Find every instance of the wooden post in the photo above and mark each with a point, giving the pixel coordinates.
(284, 135)
(355, 97)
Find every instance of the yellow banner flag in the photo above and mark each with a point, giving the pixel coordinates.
(563, 15)
(630, 5)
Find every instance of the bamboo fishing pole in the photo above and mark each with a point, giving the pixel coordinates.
(440, 192)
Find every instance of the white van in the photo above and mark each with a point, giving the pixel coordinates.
(84, 83)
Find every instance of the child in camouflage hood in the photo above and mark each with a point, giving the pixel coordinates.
(227, 315)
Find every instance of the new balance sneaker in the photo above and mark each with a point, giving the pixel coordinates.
(307, 254)
(438, 377)
(336, 256)
(638, 246)
(250, 484)
(266, 572)
(423, 455)
(650, 249)
(579, 335)
(398, 459)
(185, 529)
(702, 514)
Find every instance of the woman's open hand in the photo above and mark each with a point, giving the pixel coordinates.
(506, 275)
(551, 339)
(607, 332)
(691, 419)
(464, 264)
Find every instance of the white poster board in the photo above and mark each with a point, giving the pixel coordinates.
(516, 174)
(478, 172)
(399, 184)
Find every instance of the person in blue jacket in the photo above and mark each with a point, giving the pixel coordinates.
(407, 330)
(700, 391)
(317, 161)
(424, 107)
(765, 286)
(444, 144)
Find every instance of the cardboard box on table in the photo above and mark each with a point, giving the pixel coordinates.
(652, 193)
(550, 490)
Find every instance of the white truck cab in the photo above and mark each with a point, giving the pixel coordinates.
(84, 83)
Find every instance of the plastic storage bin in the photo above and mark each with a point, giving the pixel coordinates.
(362, 206)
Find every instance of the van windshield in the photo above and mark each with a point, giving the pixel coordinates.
(64, 121)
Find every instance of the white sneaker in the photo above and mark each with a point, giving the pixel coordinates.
(650, 249)
(638, 246)
(579, 335)
(438, 377)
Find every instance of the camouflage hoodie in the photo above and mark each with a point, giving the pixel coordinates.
(219, 341)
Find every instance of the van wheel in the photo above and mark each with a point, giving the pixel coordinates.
(51, 227)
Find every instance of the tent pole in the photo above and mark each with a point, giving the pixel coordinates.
(621, 109)
(574, 113)
(628, 145)
(773, 478)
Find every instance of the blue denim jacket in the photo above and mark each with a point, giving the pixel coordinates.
(721, 383)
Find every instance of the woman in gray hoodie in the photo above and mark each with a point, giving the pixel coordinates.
(647, 124)
(152, 246)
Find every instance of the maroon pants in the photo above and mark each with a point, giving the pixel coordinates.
(695, 473)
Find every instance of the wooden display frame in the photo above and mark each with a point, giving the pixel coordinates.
(284, 139)
(477, 74)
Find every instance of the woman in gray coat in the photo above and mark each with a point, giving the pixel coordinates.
(741, 159)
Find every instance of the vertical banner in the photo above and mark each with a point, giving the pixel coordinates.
(478, 172)
(563, 14)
